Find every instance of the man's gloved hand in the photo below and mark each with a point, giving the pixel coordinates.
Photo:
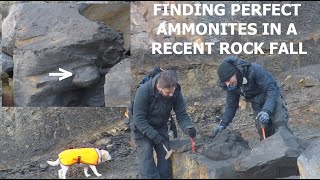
(158, 139)
(192, 132)
(263, 117)
(218, 129)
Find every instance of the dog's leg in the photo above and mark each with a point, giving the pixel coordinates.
(64, 171)
(60, 173)
(94, 169)
(86, 171)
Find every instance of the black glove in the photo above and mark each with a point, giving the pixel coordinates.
(191, 132)
(158, 139)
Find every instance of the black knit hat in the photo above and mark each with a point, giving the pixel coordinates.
(226, 71)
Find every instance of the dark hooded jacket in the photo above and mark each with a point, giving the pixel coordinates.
(255, 84)
(151, 111)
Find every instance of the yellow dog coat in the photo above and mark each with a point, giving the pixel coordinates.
(82, 155)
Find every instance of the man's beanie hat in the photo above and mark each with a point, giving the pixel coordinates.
(226, 71)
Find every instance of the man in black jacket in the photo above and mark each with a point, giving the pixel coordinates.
(153, 103)
(255, 85)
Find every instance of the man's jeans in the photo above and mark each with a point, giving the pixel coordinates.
(147, 166)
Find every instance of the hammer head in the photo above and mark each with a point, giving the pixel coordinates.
(168, 154)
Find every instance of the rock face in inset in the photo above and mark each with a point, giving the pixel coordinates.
(117, 87)
(275, 157)
(46, 37)
(115, 14)
(309, 161)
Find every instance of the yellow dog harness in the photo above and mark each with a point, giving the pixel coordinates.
(82, 155)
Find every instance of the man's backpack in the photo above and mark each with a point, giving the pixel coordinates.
(153, 73)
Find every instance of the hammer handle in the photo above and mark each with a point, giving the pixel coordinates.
(165, 147)
(263, 133)
(192, 145)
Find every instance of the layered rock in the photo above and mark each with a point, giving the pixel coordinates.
(45, 37)
(115, 15)
(308, 161)
(275, 157)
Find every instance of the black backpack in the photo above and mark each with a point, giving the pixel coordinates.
(153, 73)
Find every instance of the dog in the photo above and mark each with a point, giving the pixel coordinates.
(87, 156)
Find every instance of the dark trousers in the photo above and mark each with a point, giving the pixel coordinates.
(279, 118)
(147, 166)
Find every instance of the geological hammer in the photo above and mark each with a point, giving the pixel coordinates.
(168, 152)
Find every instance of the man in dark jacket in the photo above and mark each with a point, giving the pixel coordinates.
(255, 85)
(153, 103)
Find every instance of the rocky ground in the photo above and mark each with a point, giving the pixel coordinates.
(122, 166)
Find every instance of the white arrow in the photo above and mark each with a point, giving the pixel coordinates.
(65, 74)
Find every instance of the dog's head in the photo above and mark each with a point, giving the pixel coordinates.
(105, 156)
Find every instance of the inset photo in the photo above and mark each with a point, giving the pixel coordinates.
(66, 54)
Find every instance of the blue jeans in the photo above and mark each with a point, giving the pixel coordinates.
(147, 166)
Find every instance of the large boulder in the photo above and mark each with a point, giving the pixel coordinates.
(45, 37)
(117, 87)
(214, 157)
(275, 157)
(309, 161)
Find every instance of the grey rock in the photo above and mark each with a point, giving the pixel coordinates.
(117, 88)
(186, 165)
(274, 157)
(94, 95)
(116, 15)
(9, 29)
(85, 76)
(308, 161)
(227, 144)
(43, 166)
